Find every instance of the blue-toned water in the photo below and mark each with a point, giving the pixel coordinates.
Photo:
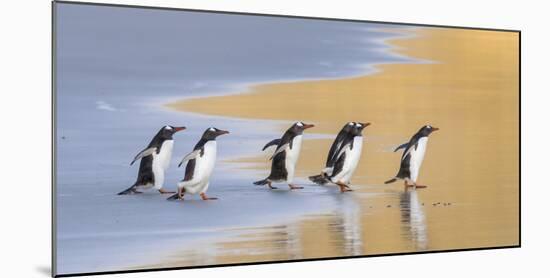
(116, 67)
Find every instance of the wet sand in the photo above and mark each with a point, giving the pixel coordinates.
(469, 90)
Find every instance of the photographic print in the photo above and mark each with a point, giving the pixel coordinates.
(190, 138)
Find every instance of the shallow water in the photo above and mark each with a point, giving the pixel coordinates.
(373, 220)
(114, 75)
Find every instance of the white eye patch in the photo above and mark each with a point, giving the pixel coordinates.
(429, 126)
(212, 129)
(358, 125)
(351, 123)
(300, 124)
(168, 127)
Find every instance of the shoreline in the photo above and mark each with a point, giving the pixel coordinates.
(245, 88)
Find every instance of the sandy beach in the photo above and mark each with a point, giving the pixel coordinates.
(468, 87)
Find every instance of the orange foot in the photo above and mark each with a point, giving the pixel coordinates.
(204, 197)
(162, 191)
(344, 187)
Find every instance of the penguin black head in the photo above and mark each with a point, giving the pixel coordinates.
(299, 127)
(212, 133)
(167, 131)
(358, 128)
(348, 127)
(427, 130)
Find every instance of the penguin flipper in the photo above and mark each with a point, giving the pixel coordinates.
(408, 151)
(402, 146)
(341, 152)
(191, 155)
(335, 153)
(144, 153)
(279, 150)
(274, 142)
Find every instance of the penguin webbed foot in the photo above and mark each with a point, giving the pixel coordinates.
(181, 192)
(292, 186)
(162, 191)
(206, 198)
(344, 187)
(414, 186)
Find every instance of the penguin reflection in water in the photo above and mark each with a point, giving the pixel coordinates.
(155, 159)
(343, 157)
(283, 160)
(412, 157)
(200, 163)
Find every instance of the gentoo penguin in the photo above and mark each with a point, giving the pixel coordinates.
(412, 157)
(199, 166)
(343, 157)
(331, 157)
(155, 159)
(283, 160)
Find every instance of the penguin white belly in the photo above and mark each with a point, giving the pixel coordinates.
(292, 156)
(161, 161)
(351, 161)
(203, 169)
(417, 156)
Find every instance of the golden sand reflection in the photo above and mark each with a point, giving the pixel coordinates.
(413, 219)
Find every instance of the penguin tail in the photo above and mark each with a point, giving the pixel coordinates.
(320, 179)
(173, 197)
(390, 181)
(262, 182)
(130, 190)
